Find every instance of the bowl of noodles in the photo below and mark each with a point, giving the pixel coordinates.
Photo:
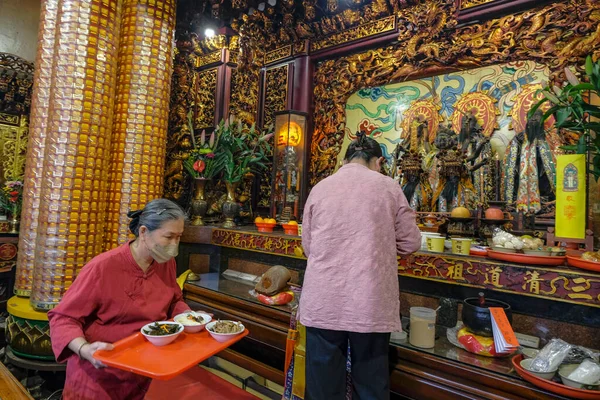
(222, 330)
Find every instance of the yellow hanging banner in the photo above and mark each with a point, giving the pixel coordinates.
(570, 196)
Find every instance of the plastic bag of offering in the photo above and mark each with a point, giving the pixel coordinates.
(480, 345)
(551, 356)
(506, 240)
(580, 353)
(278, 300)
(591, 256)
(587, 373)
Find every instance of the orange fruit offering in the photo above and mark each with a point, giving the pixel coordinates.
(258, 220)
(270, 221)
(292, 223)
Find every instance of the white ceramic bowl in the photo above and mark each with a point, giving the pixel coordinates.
(161, 340)
(543, 253)
(566, 370)
(223, 337)
(526, 365)
(191, 326)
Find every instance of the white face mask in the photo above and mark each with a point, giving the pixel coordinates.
(161, 254)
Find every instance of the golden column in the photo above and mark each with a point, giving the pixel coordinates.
(35, 148)
(72, 211)
(141, 111)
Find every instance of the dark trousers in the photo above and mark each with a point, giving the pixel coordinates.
(326, 352)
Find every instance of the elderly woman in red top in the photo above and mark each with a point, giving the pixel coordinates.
(114, 295)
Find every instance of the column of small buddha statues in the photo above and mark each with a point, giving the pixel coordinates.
(96, 59)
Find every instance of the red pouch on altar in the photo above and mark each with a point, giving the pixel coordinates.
(480, 345)
(278, 300)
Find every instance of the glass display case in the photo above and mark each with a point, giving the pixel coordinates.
(289, 168)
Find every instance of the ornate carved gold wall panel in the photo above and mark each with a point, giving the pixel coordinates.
(276, 92)
(464, 4)
(179, 141)
(13, 146)
(204, 108)
(556, 35)
(373, 28)
(244, 94)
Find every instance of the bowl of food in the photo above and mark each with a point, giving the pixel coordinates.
(581, 376)
(557, 251)
(537, 252)
(193, 322)
(161, 333)
(503, 249)
(222, 331)
(526, 365)
(265, 224)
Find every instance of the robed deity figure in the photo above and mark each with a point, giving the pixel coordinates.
(454, 188)
(530, 162)
(476, 146)
(415, 182)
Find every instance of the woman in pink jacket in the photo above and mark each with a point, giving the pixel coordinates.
(356, 222)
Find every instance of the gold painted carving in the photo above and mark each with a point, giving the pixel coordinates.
(278, 54)
(300, 47)
(179, 140)
(13, 142)
(276, 92)
(211, 44)
(244, 94)
(373, 28)
(29, 337)
(205, 98)
(209, 58)
(429, 43)
(464, 4)
(276, 83)
(9, 119)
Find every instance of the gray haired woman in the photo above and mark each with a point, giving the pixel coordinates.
(113, 296)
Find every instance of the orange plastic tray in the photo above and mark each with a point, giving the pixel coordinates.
(136, 354)
(552, 386)
(527, 259)
(583, 264)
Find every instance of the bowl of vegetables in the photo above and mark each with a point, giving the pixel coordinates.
(161, 333)
(222, 331)
(193, 322)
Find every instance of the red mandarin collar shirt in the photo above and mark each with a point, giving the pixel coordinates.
(110, 299)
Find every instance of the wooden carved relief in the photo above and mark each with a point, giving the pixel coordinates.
(276, 90)
(179, 142)
(244, 94)
(464, 4)
(276, 84)
(204, 110)
(429, 43)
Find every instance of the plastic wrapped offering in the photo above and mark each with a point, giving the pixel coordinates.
(587, 373)
(551, 356)
(579, 353)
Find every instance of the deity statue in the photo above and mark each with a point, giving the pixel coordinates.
(478, 150)
(415, 182)
(287, 180)
(445, 139)
(469, 131)
(530, 174)
(454, 187)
